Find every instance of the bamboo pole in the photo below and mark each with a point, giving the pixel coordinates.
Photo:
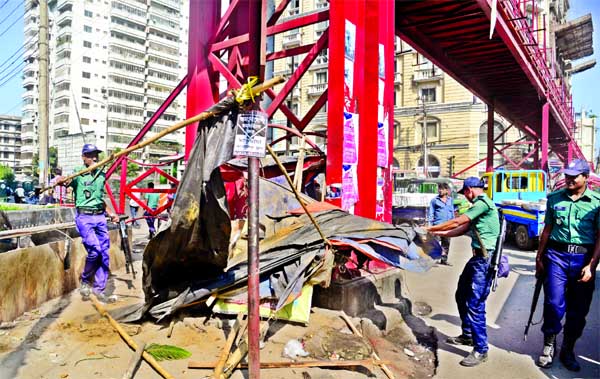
(375, 356)
(147, 357)
(297, 194)
(227, 348)
(199, 117)
(291, 364)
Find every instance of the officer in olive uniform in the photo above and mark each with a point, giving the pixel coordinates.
(483, 224)
(567, 258)
(90, 220)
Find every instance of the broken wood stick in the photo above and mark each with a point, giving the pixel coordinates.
(300, 364)
(375, 356)
(297, 195)
(256, 90)
(242, 349)
(147, 357)
(227, 348)
(171, 326)
(135, 361)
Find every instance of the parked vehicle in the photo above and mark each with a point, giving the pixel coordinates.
(521, 194)
(412, 197)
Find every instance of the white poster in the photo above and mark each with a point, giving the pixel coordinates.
(251, 134)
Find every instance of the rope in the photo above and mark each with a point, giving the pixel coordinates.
(245, 93)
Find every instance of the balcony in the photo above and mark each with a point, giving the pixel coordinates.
(316, 89)
(291, 40)
(427, 74)
(122, 13)
(65, 5)
(64, 19)
(161, 67)
(124, 29)
(398, 78)
(29, 81)
(162, 81)
(163, 41)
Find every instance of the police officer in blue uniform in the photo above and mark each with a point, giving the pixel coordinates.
(481, 221)
(567, 258)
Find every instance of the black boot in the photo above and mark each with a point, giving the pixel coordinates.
(567, 356)
(546, 358)
(460, 340)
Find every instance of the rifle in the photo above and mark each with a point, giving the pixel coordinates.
(534, 301)
(498, 252)
(125, 245)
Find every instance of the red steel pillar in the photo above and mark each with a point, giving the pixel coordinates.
(204, 20)
(370, 97)
(545, 131)
(489, 160)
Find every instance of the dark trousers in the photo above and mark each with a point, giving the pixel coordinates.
(445, 243)
(472, 292)
(563, 294)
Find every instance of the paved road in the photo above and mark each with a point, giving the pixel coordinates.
(508, 308)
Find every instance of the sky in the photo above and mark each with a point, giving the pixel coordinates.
(11, 39)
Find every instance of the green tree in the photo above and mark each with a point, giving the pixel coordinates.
(7, 175)
(52, 158)
(132, 168)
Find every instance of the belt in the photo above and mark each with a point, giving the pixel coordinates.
(570, 248)
(90, 212)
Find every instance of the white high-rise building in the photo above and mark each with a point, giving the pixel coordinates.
(112, 63)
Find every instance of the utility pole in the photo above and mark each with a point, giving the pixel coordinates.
(43, 116)
(425, 152)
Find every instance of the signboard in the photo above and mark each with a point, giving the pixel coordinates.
(251, 134)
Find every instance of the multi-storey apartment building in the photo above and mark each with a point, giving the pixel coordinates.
(10, 142)
(112, 63)
(585, 134)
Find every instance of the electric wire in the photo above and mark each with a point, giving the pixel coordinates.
(13, 11)
(11, 25)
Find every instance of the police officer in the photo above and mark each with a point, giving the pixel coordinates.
(441, 209)
(90, 220)
(567, 258)
(483, 224)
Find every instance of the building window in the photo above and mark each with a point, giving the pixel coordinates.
(87, 29)
(428, 95)
(87, 60)
(321, 77)
(84, 121)
(86, 75)
(87, 13)
(85, 105)
(87, 44)
(85, 90)
(293, 7)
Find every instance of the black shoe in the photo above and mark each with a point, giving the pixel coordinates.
(445, 263)
(567, 358)
(473, 359)
(546, 359)
(460, 340)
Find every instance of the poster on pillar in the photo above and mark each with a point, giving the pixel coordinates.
(350, 162)
(349, 54)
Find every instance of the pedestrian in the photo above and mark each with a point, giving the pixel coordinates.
(19, 194)
(441, 209)
(152, 203)
(483, 224)
(90, 220)
(567, 259)
(133, 210)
